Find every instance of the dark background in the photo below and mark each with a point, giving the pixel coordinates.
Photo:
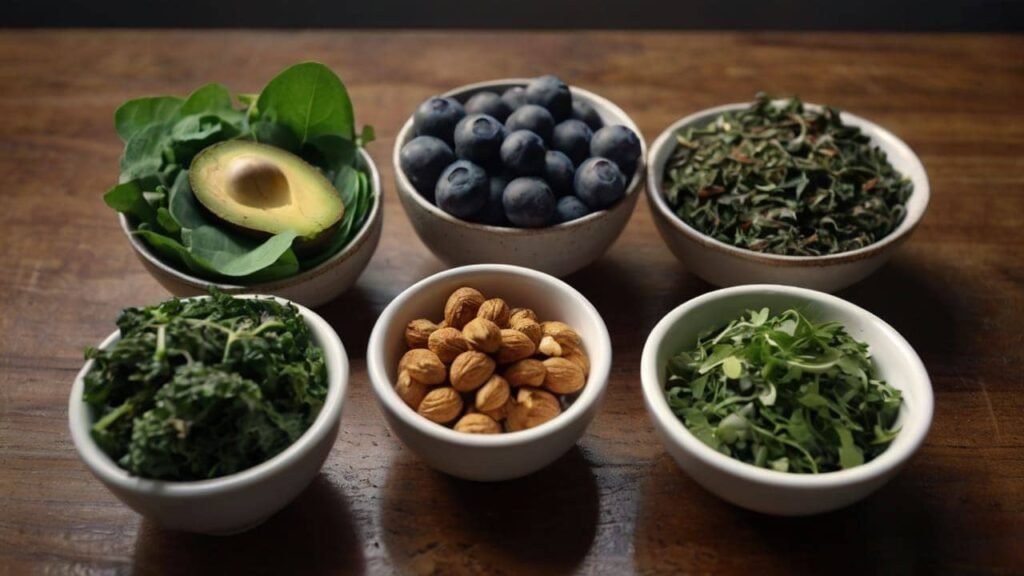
(881, 15)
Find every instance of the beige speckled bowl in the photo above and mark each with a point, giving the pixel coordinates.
(558, 250)
(314, 287)
(726, 265)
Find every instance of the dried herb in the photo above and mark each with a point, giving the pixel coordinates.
(784, 393)
(202, 388)
(782, 179)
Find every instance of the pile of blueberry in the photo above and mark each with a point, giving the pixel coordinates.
(530, 157)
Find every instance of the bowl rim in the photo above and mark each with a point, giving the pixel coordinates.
(100, 464)
(599, 351)
(354, 245)
(878, 134)
(405, 187)
(915, 426)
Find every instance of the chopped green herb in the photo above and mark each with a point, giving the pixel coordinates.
(784, 393)
(202, 388)
(782, 179)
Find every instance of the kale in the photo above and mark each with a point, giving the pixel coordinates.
(202, 388)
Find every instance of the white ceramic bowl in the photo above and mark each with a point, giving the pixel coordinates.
(233, 503)
(559, 250)
(722, 264)
(769, 491)
(313, 287)
(498, 456)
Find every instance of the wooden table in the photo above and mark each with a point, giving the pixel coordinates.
(616, 504)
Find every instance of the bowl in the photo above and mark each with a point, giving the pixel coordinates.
(232, 503)
(770, 491)
(722, 264)
(482, 456)
(313, 287)
(560, 249)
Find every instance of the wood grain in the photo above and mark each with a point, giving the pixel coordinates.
(616, 504)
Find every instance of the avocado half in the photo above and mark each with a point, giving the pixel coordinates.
(262, 190)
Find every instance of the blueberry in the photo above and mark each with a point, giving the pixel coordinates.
(570, 208)
(522, 153)
(493, 212)
(599, 183)
(573, 138)
(581, 110)
(515, 97)
(551, 93)
(618, 144)
(488, 103)
(437, 117)
(478, 139)
(529, 203)
(559, 172)
(462, 189)
(422, 159)
(533, 118)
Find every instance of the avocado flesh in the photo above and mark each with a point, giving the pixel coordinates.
(262, 190)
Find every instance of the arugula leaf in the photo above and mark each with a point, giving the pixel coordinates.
(135, 115)
(309, 99)
(791, 395)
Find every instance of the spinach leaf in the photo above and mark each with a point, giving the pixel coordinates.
(233, 255)
(128, 199)
(144, 153)
(309, 99)
(135, 115)
(208, 99)
(173, 251)
(183, 204)
(305, 110)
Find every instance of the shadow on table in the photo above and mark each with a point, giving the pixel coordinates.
(544, 523)
(682, 528)
(934, 312)
(312, 535)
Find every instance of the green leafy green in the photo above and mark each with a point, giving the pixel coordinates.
(784, 393)
(134, 115)
(236, 255)
(309, 99)
(201, 388)
(779, 178)
(304, 110)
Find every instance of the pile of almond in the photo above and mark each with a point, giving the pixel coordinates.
(486, 368)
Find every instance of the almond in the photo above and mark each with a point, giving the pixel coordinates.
(527, 372)
(410, 391)
(532, 408)
(493, 394)
(462, 306)
(423, 366)
(470, 370)
(447, 343)
(418, 332)
(482, 335)
(477, 424)
(441, 405)
(514, 346)
(563, 376)
(495, 310)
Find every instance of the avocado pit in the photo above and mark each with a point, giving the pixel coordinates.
(258, 184)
